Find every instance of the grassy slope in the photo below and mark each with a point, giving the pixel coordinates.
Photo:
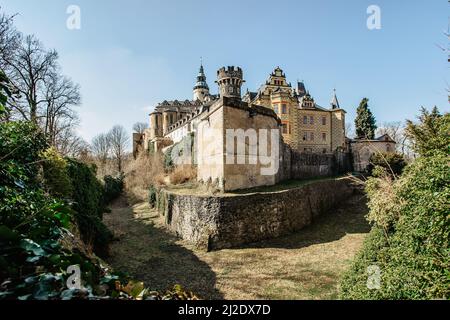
(305, 265)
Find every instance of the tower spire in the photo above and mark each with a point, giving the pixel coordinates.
(201, 88)
(334, 101)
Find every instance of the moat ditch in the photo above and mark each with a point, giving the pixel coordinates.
(304, 265)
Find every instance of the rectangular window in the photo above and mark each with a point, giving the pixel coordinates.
(324, 121)
(275, 108)
(305, 136)
(324, 150)
(285, 128)
(305, 120)
(312, 136)
(311, 120)
(284, 109)
(324, 136)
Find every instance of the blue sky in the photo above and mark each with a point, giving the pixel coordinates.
(131, 54)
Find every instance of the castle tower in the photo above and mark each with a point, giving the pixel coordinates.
(301, 90)
(230, 80)
(201, 89)
(334, 101)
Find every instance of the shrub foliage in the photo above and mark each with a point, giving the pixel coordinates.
(409, 240)
(392, 163)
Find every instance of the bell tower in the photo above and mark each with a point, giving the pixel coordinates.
(201, 89)
(230, 81)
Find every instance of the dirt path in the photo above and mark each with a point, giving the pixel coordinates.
(305, 265)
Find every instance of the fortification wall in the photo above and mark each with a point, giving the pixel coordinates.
(303, 166)
(218, 222)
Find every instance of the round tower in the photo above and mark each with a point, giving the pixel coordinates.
(201, 89)
(230, 80)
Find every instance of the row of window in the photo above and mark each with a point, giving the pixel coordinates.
(310, 120)
(278, 82)
(277, 109)
(309, 136)
(231, 90)
(310, 150)
(306, 119)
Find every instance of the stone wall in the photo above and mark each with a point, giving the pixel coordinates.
(218, 222)
(301, 166)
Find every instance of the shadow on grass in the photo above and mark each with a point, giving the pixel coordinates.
(149, 253)
(348, 218)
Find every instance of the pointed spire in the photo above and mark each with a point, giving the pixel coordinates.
(334, 101)
(301, 90)
(201, 78)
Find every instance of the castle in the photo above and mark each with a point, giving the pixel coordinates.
(310, 136)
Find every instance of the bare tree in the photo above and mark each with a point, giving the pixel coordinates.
(28, 69)
(396, 130)
(393, 129)
(9, 37)
(349, 130)
(61, 95)
(71, 145)
(140, 127)
(101, 148)
(120, 141)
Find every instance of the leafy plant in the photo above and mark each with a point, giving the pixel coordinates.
(88, 202)
(113, 187)
(409, 239)
(392, 163)
(152, 196)
(56, 177)
(365, 121)
(431, 133)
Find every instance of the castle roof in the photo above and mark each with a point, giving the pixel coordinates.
(384, 138)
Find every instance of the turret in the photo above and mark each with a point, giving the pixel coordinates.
(301, 90)
(334, 101)
(230, 80)
(201, 89)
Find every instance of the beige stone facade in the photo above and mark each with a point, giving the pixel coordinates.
(306, 126)
(363, 149)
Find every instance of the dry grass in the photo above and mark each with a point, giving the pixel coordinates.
(140, 174)
(305, 265)
(183, 174)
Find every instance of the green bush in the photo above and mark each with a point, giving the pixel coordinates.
(152, 196)
(32, 261)
(88, 202)
(21, 143)
(168, 160)
(393, 163)
(431, 133)
(410, 238)
(56, 177)
(113, 187)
